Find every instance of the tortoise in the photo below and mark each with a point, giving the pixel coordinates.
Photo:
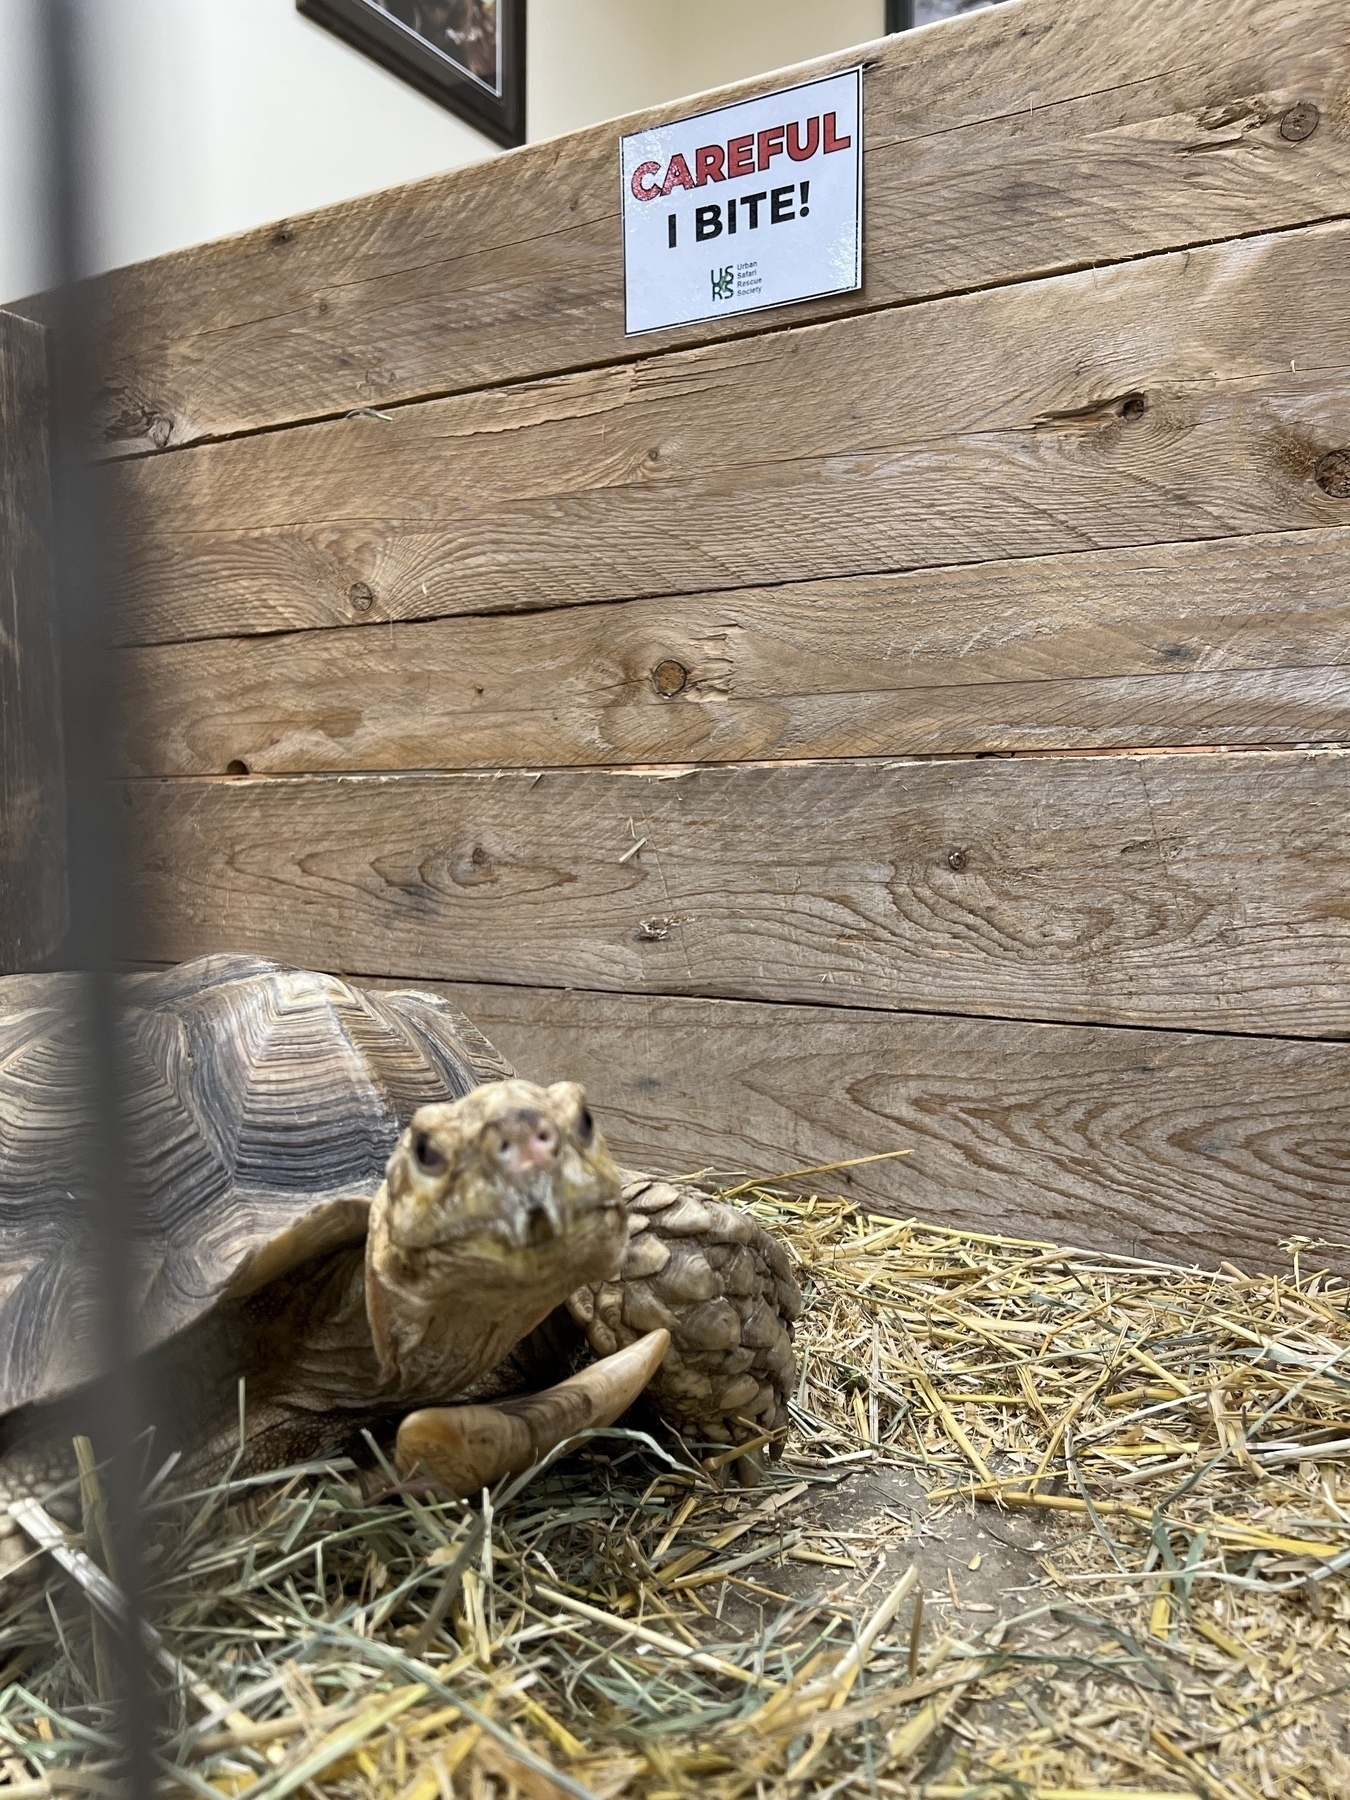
(348, 1201)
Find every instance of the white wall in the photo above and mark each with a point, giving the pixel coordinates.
(211, 116)
(595, 59)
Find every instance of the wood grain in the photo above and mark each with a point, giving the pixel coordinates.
(1185, 397)
(1239, 640)
(1202, 891)
(33, 909)
(1052, 135)
(1167, 1144)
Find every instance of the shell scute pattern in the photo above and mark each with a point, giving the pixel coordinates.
(46, 1304)
(264, 1105)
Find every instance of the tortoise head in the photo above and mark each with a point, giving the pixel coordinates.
(494, 1209)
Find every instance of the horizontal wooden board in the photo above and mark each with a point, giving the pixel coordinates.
(1186, 397)
(1239, 640)
(1052, 135)
(1200, 890)
(33, 898)
(1166, 1144)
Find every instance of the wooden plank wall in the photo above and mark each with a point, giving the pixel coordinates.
(913, 719)
(33, 908)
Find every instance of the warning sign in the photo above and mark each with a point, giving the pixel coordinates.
(751, 205)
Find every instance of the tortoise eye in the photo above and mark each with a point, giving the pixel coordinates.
(585, 1126)
(428, 1158)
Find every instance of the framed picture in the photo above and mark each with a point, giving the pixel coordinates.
(467, 54)
(903, 15)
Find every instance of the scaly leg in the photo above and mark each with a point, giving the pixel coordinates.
(725, 1291)
(29, 1471)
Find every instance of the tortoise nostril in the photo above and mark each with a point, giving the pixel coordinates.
(528, 1141)
(541, 1146)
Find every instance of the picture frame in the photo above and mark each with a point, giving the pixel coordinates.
(904, 15)
(467, 55)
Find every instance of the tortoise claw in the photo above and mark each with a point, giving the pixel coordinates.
(470, 1447)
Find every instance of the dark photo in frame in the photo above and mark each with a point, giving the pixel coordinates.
(904, 15)
(467, 54)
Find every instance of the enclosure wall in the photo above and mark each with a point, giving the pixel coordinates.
(910, 720)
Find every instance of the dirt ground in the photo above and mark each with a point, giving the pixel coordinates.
(1079, 1669)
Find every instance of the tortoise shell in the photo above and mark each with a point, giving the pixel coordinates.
(263, 1104)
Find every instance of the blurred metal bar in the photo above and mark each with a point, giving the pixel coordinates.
(33, 916)
(97, 887)
(899, 15)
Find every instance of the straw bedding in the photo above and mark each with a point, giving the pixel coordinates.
(1172, 1446)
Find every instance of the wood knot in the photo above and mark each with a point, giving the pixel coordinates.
(669, 677)
(474, 869)
(1299, 122)
(139, 421)
(360, 597)
(1332, 474)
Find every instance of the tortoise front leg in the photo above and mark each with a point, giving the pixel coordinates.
(724, 1290)
(471, 1447)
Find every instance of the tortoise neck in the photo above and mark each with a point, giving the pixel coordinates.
(435, 1336)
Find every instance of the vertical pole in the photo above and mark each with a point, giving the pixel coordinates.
(899, 15)
(95, 941)
(32, 769)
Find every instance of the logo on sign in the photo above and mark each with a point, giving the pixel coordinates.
(782, 174)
